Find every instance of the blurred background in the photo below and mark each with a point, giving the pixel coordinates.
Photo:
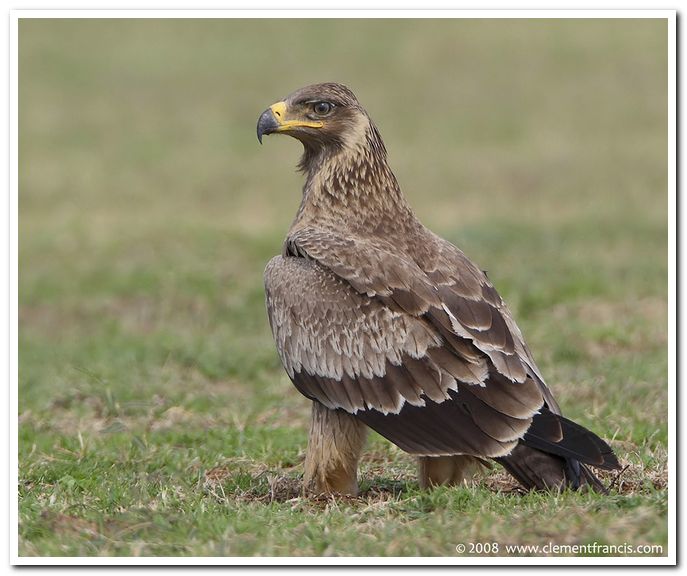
(148, 211)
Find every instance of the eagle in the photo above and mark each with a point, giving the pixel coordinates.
(383, 324)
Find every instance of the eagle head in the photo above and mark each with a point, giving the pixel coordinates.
(320, 116)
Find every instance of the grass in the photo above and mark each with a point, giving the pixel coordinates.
(154, 416)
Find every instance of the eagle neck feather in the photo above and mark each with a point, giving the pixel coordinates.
(349, 183)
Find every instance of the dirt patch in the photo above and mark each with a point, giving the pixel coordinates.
(265, 487)
(636, 478)
(65, 524)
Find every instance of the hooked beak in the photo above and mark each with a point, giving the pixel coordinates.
(267, 123)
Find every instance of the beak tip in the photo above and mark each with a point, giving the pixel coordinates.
(267, 124)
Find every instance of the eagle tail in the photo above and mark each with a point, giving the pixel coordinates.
(537, 470)
(556, 453)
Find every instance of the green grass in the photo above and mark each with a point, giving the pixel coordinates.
(155, 418)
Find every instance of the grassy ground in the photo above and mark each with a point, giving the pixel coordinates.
(155, 418)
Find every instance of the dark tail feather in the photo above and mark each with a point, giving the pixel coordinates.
(555, 452)
(574, 441)
(537, 470)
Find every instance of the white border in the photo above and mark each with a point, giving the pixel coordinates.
(337, 13)
(669, 15)
(13, 225)
(672, 290)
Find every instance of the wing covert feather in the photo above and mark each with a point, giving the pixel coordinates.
(350, 351)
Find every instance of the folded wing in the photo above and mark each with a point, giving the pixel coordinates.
(408, 375)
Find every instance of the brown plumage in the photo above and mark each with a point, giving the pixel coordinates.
(381, 322)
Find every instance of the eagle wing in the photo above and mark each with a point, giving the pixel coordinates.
(426, 357)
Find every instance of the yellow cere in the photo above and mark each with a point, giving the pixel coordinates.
(279, 111)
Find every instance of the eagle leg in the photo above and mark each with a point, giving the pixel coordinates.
(334, 447)
(446, 470)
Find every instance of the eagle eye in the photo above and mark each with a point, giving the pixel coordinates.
(322, 108)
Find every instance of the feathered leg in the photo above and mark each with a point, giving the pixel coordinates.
(448, 470)
(334, 447)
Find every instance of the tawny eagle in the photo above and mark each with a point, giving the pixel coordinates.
(383, 324)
